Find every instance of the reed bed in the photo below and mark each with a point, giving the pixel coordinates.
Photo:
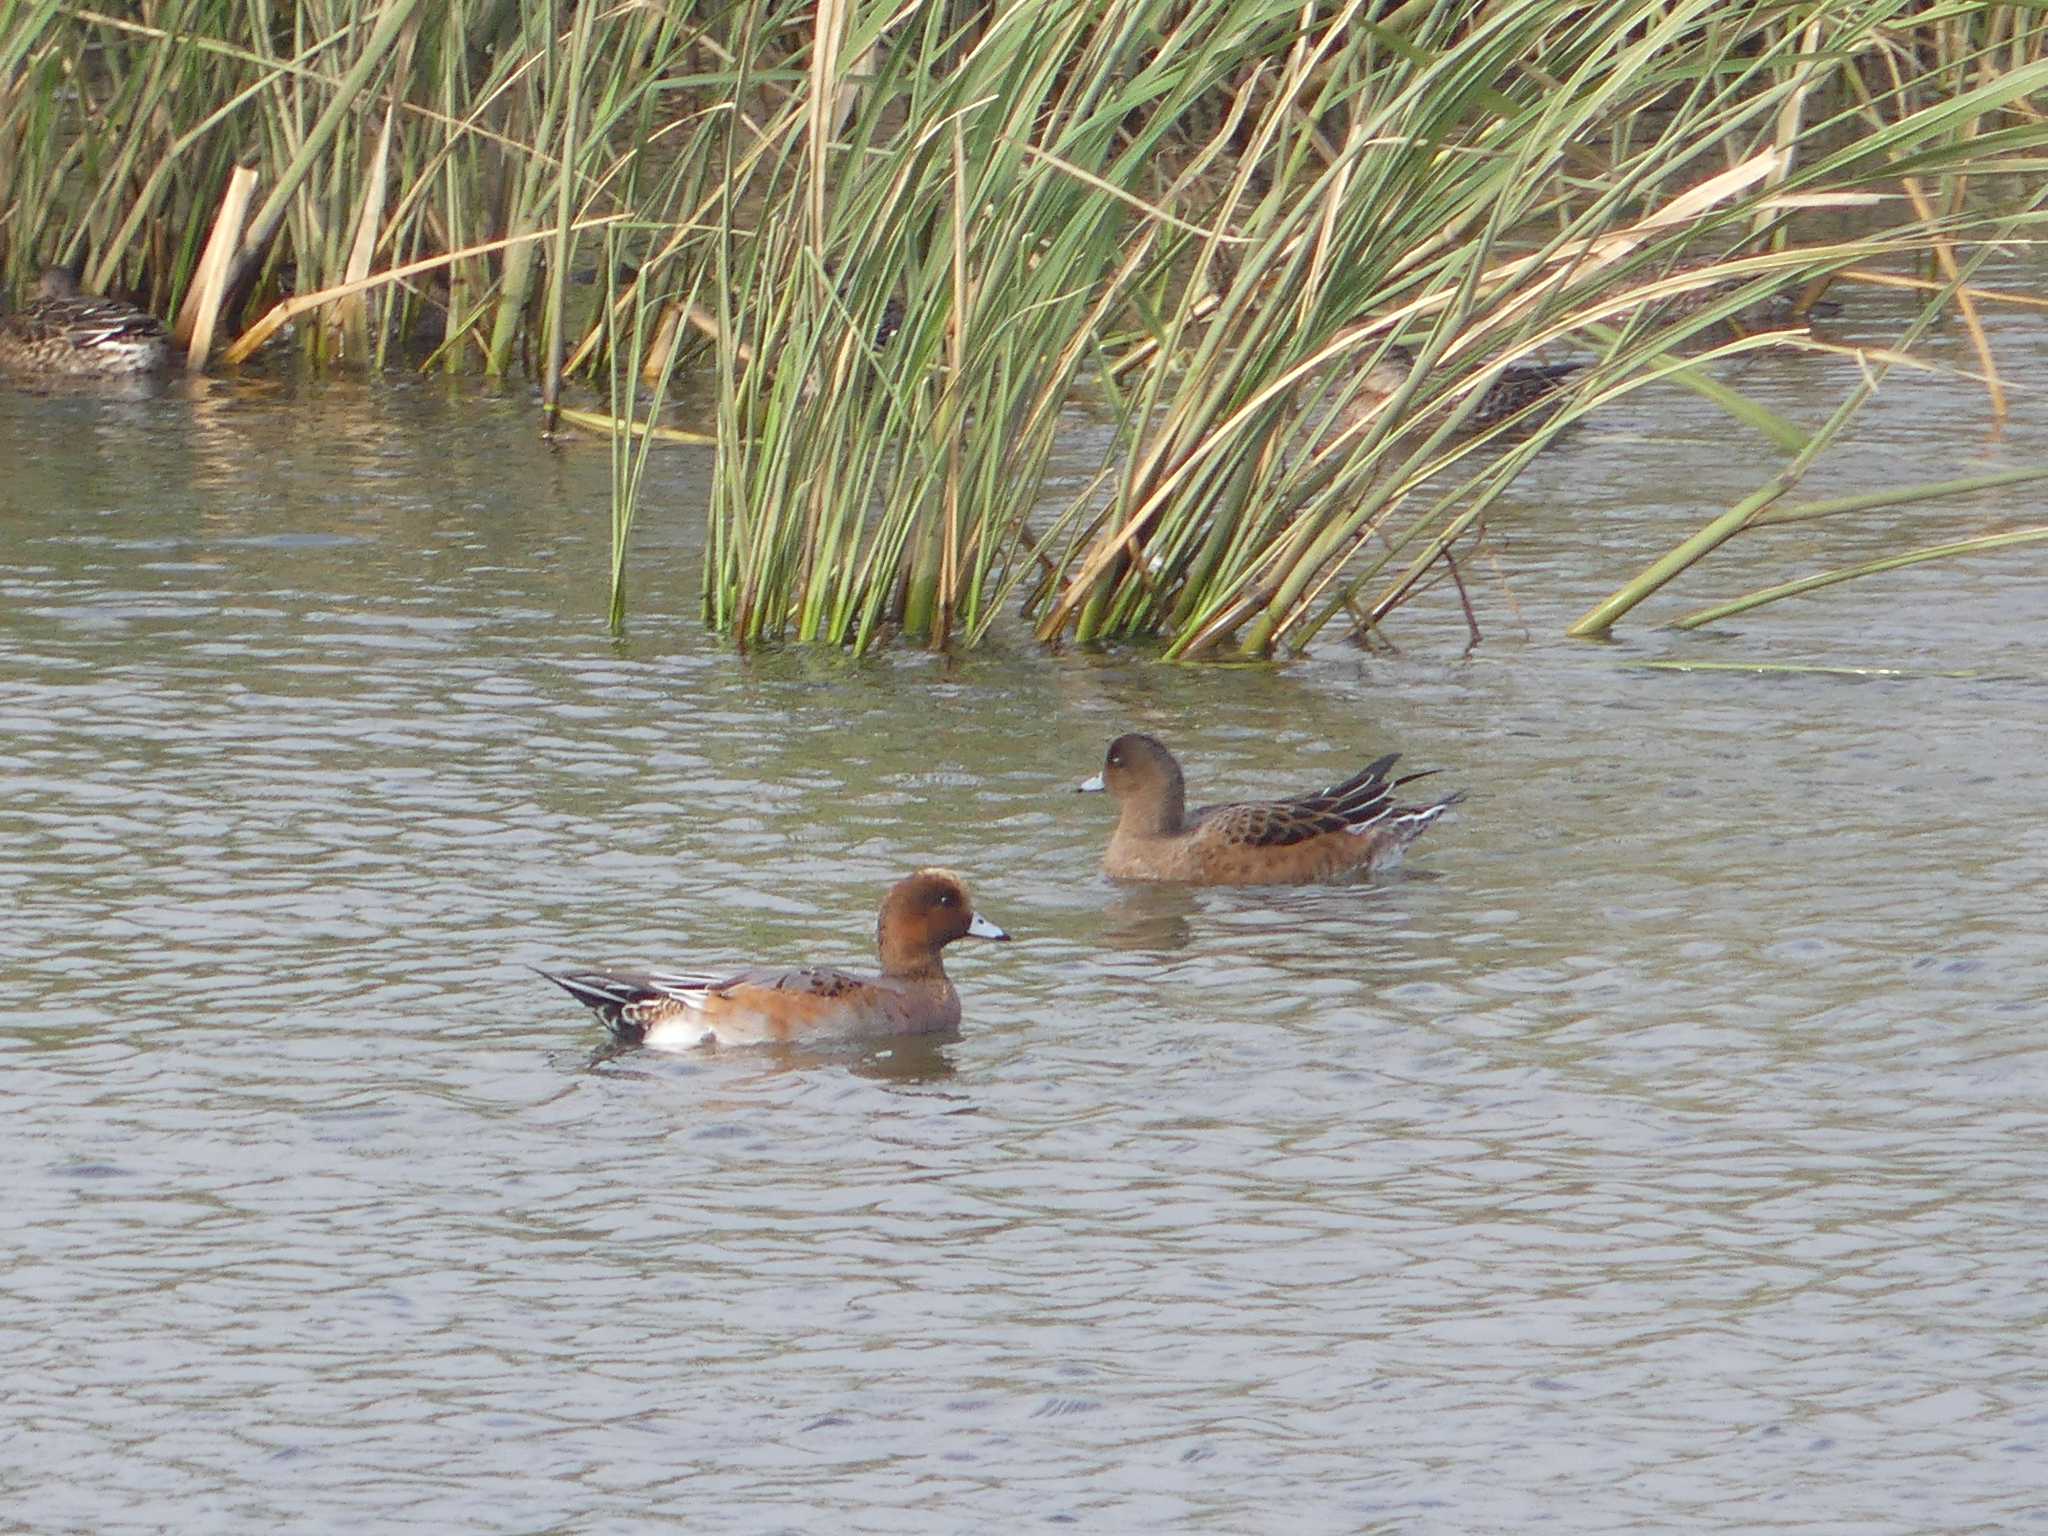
(921, 249)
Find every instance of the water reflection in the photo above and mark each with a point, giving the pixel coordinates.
(912, 1059)
(1149, 918)
(920, 1059)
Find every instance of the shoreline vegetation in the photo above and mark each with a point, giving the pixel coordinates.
(904, 240)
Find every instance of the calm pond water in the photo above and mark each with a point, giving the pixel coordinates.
(1664, 1150)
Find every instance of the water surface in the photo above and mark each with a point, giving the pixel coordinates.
(1662, 1151)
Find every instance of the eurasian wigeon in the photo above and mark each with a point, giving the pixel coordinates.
(1352, 827)
(921, 915)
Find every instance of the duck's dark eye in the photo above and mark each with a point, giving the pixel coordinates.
(1116, 759)
(945, 898)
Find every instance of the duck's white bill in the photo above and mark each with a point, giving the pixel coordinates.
(1093, 786)
(981, 928)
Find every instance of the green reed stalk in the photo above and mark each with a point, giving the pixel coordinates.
(1213, 220)
(569, 80)
(1982, 544)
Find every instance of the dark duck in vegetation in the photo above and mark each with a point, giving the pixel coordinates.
(1520, 393)
(62, 333)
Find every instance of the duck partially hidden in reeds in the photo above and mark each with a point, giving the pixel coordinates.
(1522, 391)
(63, 333)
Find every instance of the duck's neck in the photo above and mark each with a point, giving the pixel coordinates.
(912, 962)
(1160, 815)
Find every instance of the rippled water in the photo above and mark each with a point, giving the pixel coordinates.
(1662, 1151)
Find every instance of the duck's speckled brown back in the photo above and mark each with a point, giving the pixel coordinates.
(63, 333)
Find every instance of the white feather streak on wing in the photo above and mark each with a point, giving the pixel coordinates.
(1424, 815)
(1373, 822)
(691, 989)
(594, 987)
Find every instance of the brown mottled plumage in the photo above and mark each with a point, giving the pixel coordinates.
(920, 916)
(64, 333)
(1520, 387)
(1352, 827)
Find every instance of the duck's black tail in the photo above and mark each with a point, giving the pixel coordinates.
(1394, 829)
(608, 994)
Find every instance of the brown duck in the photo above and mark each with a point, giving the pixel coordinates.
(62, 333)
(1350, 828)
(1531, 388)
(674, 1010)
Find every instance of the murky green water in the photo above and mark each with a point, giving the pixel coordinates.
(1663, 1151)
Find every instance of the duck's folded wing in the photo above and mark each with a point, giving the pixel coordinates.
(96, 322)
(1365, 794)
(812, 1003)
(753, 1004)
(1346, 806)
(1364, 787)
(807, 981)
(1271, 824)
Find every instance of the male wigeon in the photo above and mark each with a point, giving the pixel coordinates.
(921, 915)
(1352, 827)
